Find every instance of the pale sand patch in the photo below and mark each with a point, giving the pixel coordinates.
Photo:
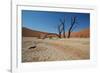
(55, 50)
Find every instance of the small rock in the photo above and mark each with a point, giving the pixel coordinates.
(32, 47)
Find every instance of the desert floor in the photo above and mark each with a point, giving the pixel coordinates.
(55, 49)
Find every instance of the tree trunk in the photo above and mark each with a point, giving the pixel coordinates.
(69, 32)
(59, 34)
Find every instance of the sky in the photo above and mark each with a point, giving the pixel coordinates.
(48, 21)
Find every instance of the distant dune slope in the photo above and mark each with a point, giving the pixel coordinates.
(26, 32)
(33, 33)
(85, 33)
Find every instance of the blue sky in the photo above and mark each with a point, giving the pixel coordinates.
(48, 21)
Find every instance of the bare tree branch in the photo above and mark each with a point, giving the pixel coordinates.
(72, 25)
(63, 27)
(75, 26)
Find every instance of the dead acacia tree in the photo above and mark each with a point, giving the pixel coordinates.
(61, 28)
(73, 25)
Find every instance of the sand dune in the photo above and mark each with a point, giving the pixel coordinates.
(26, 32)
(85, 33)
